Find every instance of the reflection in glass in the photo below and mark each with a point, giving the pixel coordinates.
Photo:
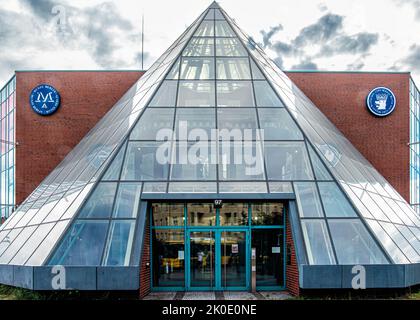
(201, 214)
(287, 161)
(202, 259)
(165, 95)
(168, 214)
(241, 187)
(206, 29)
(353, 244)
(320, 171)
(141, 161)
(317, 240)
(82, 245)
(240, 120)
(197, 69)
(267, 213)
(100, 202)
(114, 169)
(234, 214)
(196, 94)
(265, 95)
(234, 94)
(200, 47)
(223, 29)
(168, 258)
(278, 125)
(127, 201)
(335, 203)
(230, 47)
(119, 245)
(269, 246)
(151, 121)
(233, 259)
(308, 199)
(233, 69)
(196, 123)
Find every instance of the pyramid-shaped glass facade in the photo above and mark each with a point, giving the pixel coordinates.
(213, 95)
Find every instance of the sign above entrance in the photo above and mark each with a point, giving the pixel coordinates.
(44, 99)
(218, 204)
(381, 101)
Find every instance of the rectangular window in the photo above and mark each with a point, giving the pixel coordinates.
(235, 94)
(226, 47)
(195, 123)
(234, 214)
(168, 214)
(119, 245)
(267, 213)
(318, 244)
(201, 214)
(197, 68)
(196, 94)
(308, 199)
(233, 69)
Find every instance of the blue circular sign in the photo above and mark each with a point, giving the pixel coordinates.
(44, 99)
(381, 101)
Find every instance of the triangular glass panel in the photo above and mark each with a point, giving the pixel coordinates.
(218, 15)
(206, 29)
(152, 122)
(113, 172)
(174, 73)
(321, 173)
(99, 204)
(209, 15)
(265, 95)
(256, 73)
(165, 96)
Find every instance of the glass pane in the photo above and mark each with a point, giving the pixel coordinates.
(168, 258)
(147, 161)
(128, 200)
(168, 214)
(218, 15)
(223, 29)
(317, 240)
(269, 247)
(192, 187)
(174, 73)
(209, 15)
(197, 69)
(287, 161)
(119, 243)
(206, 29)
(194, 161)
(202, 259)
(256, 72)
(265, 95)
(100, 202)
(240, 123)
(242, 187)
(240, 161)
(196, 94)
(267, 213)
(353, 244)
(280, 187)
(154, 187)
(114, 169)
(195, 123)
(151, 122)
(278, 125)
(82, 245)
(234, 214)
(233, 68)
(200, 47)
(335, 203)
(201, 214)
(233, 249)
(308, 199)
(226, 47)
(321, 172)
(234, 94)
(165, 95)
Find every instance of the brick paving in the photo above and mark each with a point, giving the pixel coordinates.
(219, 295)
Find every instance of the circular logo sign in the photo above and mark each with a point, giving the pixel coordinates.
(44, 99)
(381, 101)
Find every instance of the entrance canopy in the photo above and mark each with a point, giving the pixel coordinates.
(213, 116)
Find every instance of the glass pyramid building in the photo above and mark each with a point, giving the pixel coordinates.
(214, 76)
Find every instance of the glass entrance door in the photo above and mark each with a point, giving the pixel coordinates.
(202, 259)
(217, 259)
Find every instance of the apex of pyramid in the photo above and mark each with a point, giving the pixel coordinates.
(214, 5)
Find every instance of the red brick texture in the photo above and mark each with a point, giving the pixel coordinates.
(145, 264)
(383, 141)
(43, 141)
(292, 270)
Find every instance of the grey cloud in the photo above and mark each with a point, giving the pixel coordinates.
(324, 29)
(41, 8)
(413, 58)
(354, 44)
(269, 34)
(305, 65)
(283, 48)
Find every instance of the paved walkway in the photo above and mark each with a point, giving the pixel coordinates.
(219, 295)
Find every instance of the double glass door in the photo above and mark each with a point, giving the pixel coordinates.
(217, 259)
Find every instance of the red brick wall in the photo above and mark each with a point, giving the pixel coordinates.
(145, 264)
(292, 271)
(383, 141)
(45, 141)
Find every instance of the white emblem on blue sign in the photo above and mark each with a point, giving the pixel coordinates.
(381, 101)
(44, 99)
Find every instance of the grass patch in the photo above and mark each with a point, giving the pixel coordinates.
(12, 293)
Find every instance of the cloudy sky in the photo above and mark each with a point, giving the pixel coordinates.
(366, 35)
